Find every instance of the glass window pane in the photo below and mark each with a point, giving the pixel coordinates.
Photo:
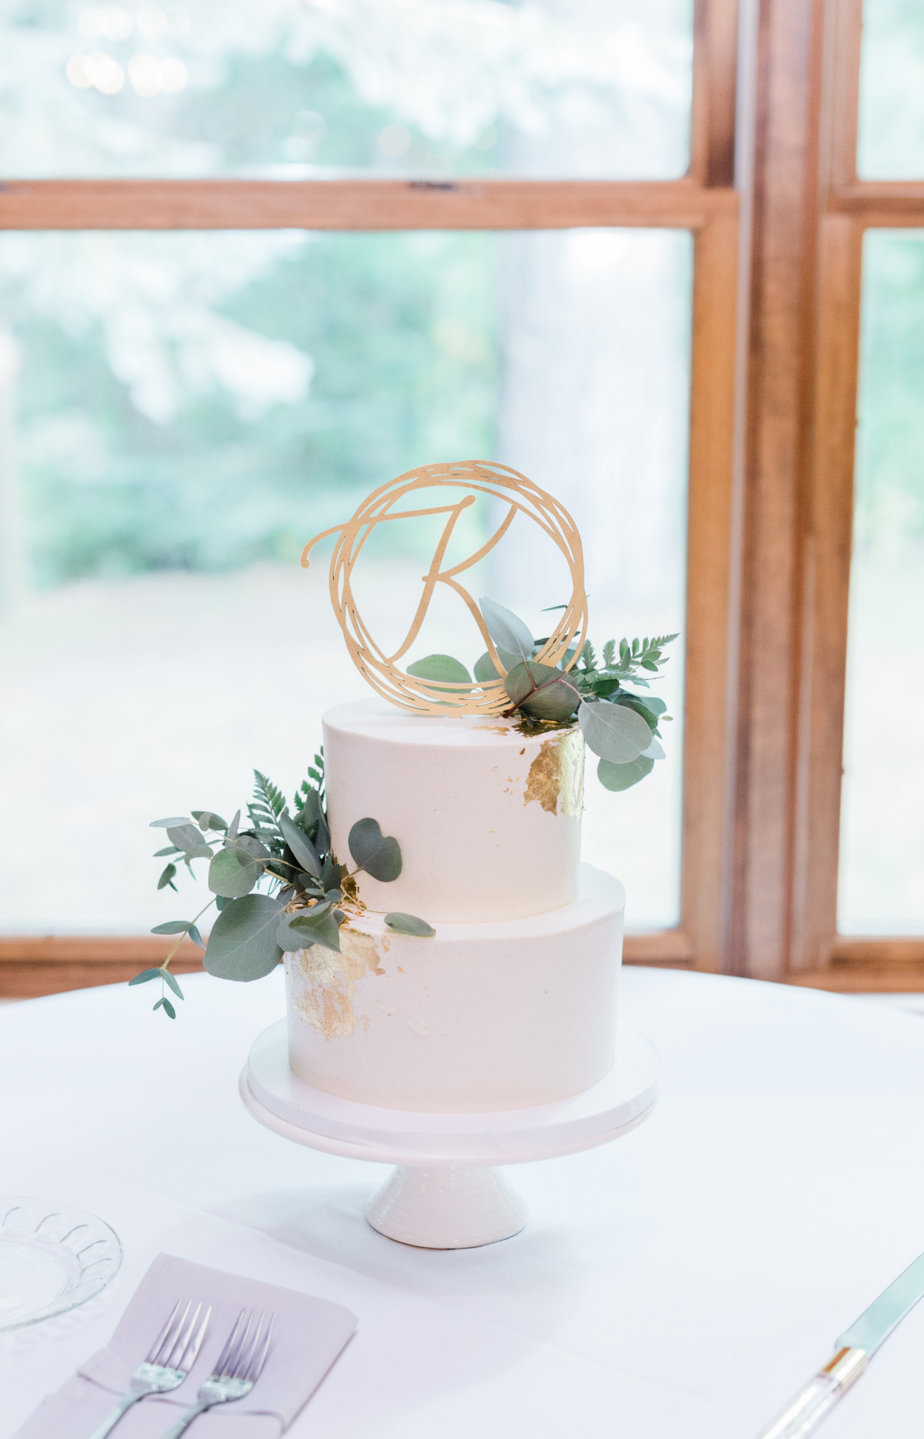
(891, 121)
(882, 837)
(313, 88)
(181, 412)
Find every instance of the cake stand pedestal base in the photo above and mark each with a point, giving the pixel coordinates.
(447, 1192)
(448, 1206)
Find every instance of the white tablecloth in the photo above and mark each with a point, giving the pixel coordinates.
(678, 1283)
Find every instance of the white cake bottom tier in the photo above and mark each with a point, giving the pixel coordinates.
(481, 1017)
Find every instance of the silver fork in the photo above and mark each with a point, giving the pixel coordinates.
(237, 1368)
(169, 1360)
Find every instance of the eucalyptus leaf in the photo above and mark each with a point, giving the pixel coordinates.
(309, 811)
(542, 692)
(233, 873)
(507, 630)
(242, 945)
(614, 732)
(378, 854)
(313, 912)
(409, 924)
(172, 823)
(652, 702)
(188, 838)
(208, 819)
(196, 937)
(440, 667)
(633, 702)
(234, 825)
(305, 853)
(623, 776)
(304, 927)
(250, 845)
(486, 670)
(173, 926)
(169, 849)
(171, 982)
(322, 838)
(655, 750)
(146, 975)
(525, 678)
(167, 1007)
(167, 876)
(331, 874)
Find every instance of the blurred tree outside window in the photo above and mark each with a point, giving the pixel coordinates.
(306, 88)
(891, 119)
(881, 888)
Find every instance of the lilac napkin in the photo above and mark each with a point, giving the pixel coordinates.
(308, 1336)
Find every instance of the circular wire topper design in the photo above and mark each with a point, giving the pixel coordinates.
(380, 670)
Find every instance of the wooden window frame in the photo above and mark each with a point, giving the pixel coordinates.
(705, 202)
(808, 211)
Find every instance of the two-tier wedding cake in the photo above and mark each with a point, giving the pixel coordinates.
(445, 949)
(512, 1002)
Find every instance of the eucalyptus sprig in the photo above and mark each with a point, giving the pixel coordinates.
(277, 885)
(619, 725)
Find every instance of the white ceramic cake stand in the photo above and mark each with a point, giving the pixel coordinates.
(446, 1192)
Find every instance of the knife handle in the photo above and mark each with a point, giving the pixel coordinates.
(819, 1396)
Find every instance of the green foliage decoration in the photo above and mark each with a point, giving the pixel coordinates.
(276, 885)
(619, 725)
(409, 924)
(376, 853)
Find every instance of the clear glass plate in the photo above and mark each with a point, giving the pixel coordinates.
(52, 1258)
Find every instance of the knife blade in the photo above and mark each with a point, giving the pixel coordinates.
(853, 1350)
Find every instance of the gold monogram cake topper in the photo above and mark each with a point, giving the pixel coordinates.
(473, 477)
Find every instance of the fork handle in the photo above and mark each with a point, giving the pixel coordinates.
(186, 1418)
(115, 1414)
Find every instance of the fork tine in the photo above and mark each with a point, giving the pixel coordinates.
(244, 1357)
(260, 1349)
(242, 1347)
(186, 1331)
(165, 1338)
(222, 1360)
(190, 1353)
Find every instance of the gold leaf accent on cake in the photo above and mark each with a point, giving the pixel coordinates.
(350, 893)
(330, 979)
(543, 783)
(556, 775)
(363, 946)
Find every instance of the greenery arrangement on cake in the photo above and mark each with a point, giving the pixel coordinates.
(619, 725)
(274, 880)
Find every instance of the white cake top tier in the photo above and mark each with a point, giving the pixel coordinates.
(488, 817)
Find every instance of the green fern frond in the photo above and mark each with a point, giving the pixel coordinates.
(266, 794)
(265, 808)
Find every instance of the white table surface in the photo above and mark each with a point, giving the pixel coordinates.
(676, 1284)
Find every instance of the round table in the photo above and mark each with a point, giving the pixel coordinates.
(683, 1282)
